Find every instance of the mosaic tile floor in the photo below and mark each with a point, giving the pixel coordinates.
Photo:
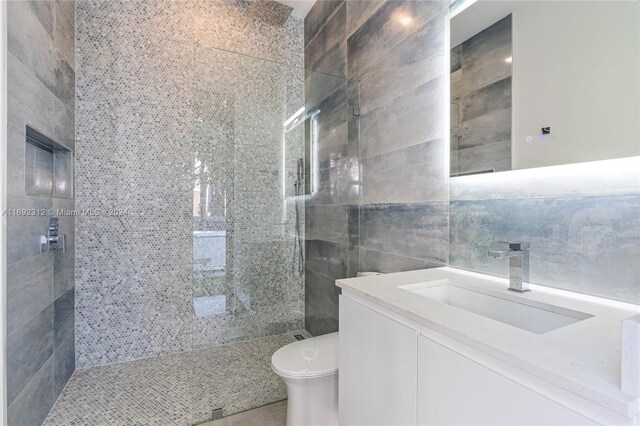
(180, 389)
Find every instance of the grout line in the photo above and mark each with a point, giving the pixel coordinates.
(427, 142)
(363, 75)
(431, 260)
(324, 24)
(377, 59)
(406, 92)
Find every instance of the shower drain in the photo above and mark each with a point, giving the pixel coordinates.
(216, 414)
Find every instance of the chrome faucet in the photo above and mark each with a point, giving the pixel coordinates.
(518, 255)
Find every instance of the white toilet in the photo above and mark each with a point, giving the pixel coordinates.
(309, 368)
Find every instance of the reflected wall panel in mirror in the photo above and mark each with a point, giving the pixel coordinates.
(537, 83)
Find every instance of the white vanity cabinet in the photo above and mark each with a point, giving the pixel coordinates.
(378, 368)
(454, 390)
(395, 371)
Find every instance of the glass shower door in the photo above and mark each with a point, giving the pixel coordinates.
(248, 282)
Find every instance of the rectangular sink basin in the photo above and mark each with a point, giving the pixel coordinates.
(532, 316)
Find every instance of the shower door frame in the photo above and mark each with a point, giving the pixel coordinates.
(3, 206)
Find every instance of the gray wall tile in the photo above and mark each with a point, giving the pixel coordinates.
(28, 348)
(29, 289)
(483, 56)
(397, 76)
(329, 259)
(64, 359)
(327, 52)
(64, 266)
(353, 226)
(358, 11)
(332, 112)
(412, 118)
(30, 154)
(41, 85)
(63, 175)
(456, 59)
(330, 130)
(321, 304)
(334, 146)
(43, 11)
(64, 29)
(492, 127)
(31, 102)
(407, 175)
(479, 158)
(317, 86)
(328, 223)
(16, 160)
(317, 17)
(29, 41)
(339, 184)
(65, 78)
(31, 407)
(418, 231)
(417, 59)
(63, 317)
(366, 45)
(481, 101)
(494, 97)
(391, 155)
(24, 232)
(583, 244)
(40, 163)
(376, 261)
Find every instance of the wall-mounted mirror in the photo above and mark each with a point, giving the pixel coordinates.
(541, 83)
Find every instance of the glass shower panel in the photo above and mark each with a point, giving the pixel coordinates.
(244, 172)
(248, 280)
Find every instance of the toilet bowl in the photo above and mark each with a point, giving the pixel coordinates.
(309, 369)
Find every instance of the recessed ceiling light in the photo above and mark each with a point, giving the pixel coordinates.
(406, 20)
(508, 60)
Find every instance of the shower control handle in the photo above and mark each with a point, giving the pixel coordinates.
(54, 240)
(58, 242)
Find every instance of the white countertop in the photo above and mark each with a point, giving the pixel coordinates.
(583, 358)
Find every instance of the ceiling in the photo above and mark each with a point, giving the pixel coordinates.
(300, 7)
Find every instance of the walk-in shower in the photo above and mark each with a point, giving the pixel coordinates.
(199, 272)
(187, 128)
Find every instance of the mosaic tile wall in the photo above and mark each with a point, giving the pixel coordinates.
(156, 96)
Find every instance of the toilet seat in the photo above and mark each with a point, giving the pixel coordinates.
(314, 357)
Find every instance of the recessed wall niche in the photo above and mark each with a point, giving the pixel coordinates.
(48, 170)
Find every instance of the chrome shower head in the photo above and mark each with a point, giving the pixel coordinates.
(269, 11)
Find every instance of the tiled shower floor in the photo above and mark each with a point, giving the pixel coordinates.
(179, 389)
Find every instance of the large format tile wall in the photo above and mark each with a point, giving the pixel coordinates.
(40, 284)
(581, 220)
(382, 197)
(381, 202)
(164, 85)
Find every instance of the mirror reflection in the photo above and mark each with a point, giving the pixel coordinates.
(536, 83)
